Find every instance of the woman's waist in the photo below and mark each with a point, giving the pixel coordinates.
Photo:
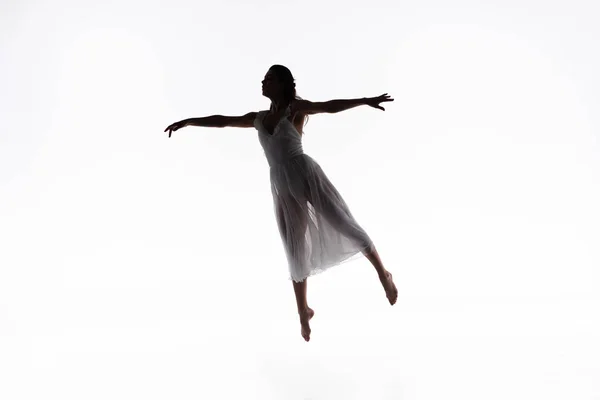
(281, 159)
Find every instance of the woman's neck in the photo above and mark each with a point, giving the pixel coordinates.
(278, 104)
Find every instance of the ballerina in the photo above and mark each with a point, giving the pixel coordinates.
(315, 224)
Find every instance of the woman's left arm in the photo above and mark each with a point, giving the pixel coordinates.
(335, 106)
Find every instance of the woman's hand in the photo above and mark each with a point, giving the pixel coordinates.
(374, 101)
(177, 125)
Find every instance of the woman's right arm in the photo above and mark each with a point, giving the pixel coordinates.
(215, 121)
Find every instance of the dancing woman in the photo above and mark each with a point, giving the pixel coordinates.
(316, 226)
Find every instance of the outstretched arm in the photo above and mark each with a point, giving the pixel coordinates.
(335, 106)
(215, 121)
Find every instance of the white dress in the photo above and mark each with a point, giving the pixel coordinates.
(316, 227)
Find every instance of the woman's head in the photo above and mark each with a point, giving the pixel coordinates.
(279, 84)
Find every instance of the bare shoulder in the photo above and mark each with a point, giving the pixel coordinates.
(299, 106)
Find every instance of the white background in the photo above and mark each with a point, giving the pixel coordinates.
(136, 266)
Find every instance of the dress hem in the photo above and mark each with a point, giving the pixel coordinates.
(317, 271)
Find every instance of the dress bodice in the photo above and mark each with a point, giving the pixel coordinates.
(284, 143)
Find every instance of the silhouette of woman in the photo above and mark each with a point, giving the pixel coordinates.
(316, 226)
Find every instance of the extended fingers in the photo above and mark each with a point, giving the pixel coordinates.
(171, 128)
(381, 99)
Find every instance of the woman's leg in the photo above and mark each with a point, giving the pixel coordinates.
(293, 238)
(338, 215)
(304, 311)
(385, 277)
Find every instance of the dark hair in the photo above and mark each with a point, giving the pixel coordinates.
(285, 77)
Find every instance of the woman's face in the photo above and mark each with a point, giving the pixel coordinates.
(270, 85)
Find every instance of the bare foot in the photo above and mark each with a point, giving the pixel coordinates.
(390, 288)
(305, 317)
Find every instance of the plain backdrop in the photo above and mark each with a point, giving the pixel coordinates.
(137, 266)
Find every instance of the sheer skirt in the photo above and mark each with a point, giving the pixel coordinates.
(316, 226)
